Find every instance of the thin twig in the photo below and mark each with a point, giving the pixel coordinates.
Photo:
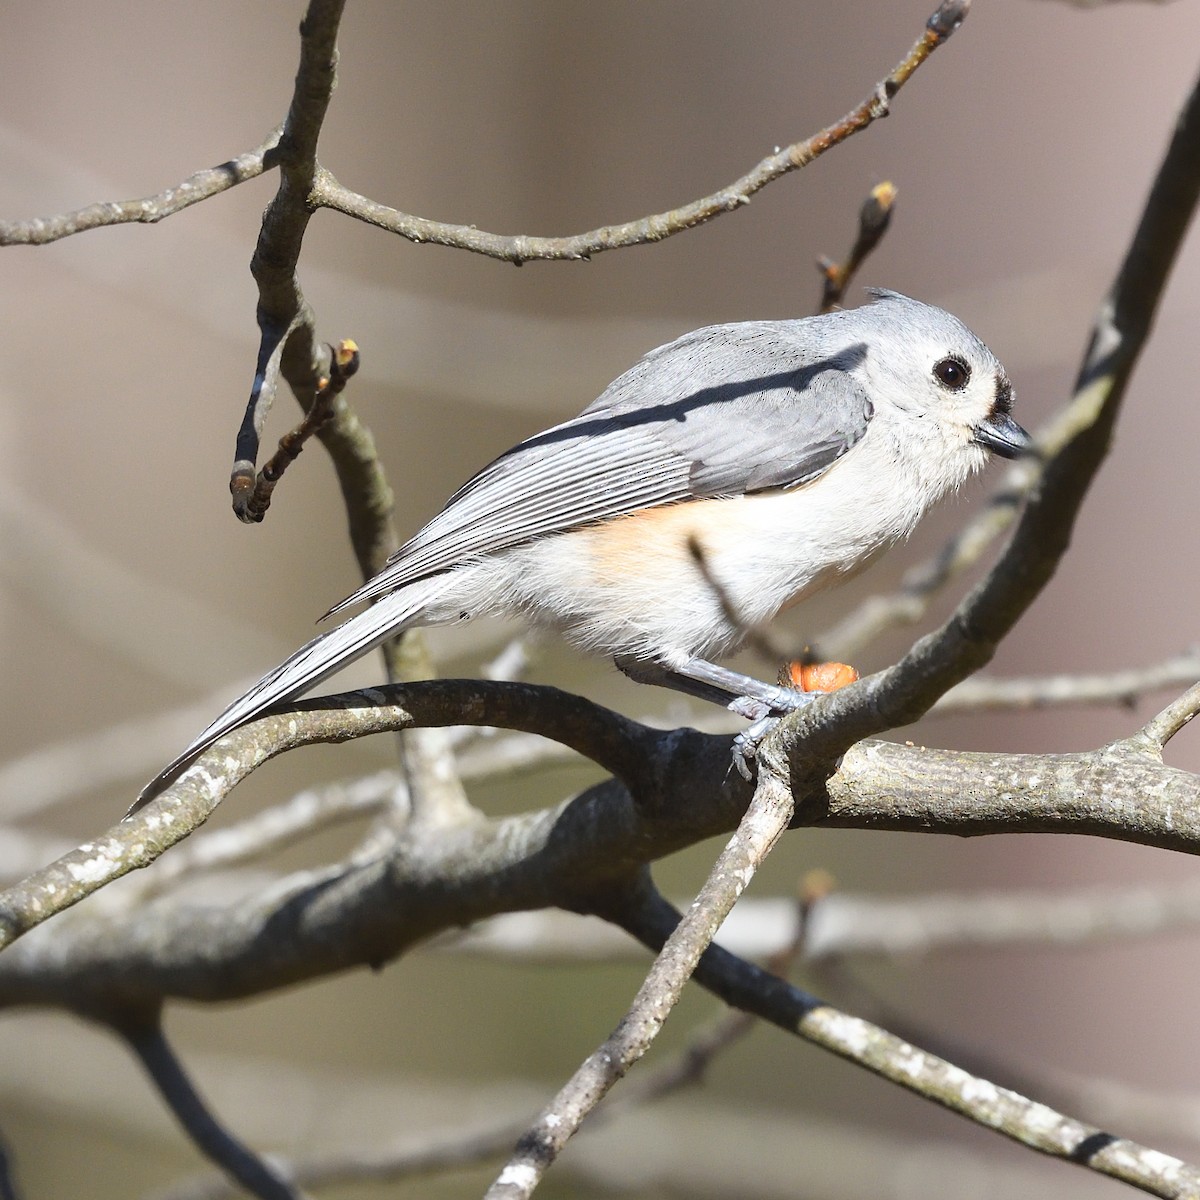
(756, 636)
(1173, 718)
(38, 231)
(460, 1149)
(274, 829)
(8, 1184)
(329, 193)
(692, 1063)
(981, 693)
(1118, 336)
(343, 363)
(873, 220)
(288, 348)
(237, 1160)
(765, 821)
(903, 927)
(370, 1164)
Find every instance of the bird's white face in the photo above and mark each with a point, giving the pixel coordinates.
(943, 386)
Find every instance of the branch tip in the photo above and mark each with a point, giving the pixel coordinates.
(949, 16)
(1163, 727)
(873, 219)
(252, 496)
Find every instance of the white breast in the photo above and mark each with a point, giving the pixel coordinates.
(692, 578)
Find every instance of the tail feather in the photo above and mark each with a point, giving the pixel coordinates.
(325, 655)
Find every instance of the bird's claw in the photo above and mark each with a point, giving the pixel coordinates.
(764, 718)
(746, 744)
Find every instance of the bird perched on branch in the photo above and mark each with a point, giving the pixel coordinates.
(727, 475)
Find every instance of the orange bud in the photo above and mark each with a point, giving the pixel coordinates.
(815, 885)
(819, 677)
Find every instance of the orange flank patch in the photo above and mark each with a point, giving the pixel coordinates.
(667, 536)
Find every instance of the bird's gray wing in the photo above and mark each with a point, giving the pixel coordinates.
(723, 411)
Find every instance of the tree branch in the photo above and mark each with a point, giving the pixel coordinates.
(288, 342)
(367, 912)
(1173, 718)
(615, 742)
(652, 920)
(850, 925)
(8, 1186)
(237, 1160)
(980, 694)
(329, 193)
(148, 210)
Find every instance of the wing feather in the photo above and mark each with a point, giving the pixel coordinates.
(722, 411)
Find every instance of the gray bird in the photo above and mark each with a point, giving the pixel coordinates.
(724, 477)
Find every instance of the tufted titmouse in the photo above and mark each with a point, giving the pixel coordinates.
(726, 476)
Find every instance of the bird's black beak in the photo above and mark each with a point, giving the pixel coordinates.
(1000, 434)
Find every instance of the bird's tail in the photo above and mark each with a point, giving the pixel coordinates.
(325, 655)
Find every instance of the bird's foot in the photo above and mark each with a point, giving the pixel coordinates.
(801, 683)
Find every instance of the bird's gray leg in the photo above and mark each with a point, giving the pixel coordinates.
(761, 703)
(657, 674)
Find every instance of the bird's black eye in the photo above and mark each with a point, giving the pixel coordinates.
(952, 373)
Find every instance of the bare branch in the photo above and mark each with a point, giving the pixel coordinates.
(764, 823)
(650, 918)
(154, 1052)
(1117, 687)
(274, 829)
(307, 114)
(288, 342)
(149, 209)
(922, 583)
(1121, 791)
(288, 347)
(57, 773)
(1118, 336)
(461, 1148)
(372, 1165)
(329, 193)
(848, 925)
(621, 745)
(1173, 718)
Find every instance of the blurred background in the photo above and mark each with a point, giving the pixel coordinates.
(1022, 153)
